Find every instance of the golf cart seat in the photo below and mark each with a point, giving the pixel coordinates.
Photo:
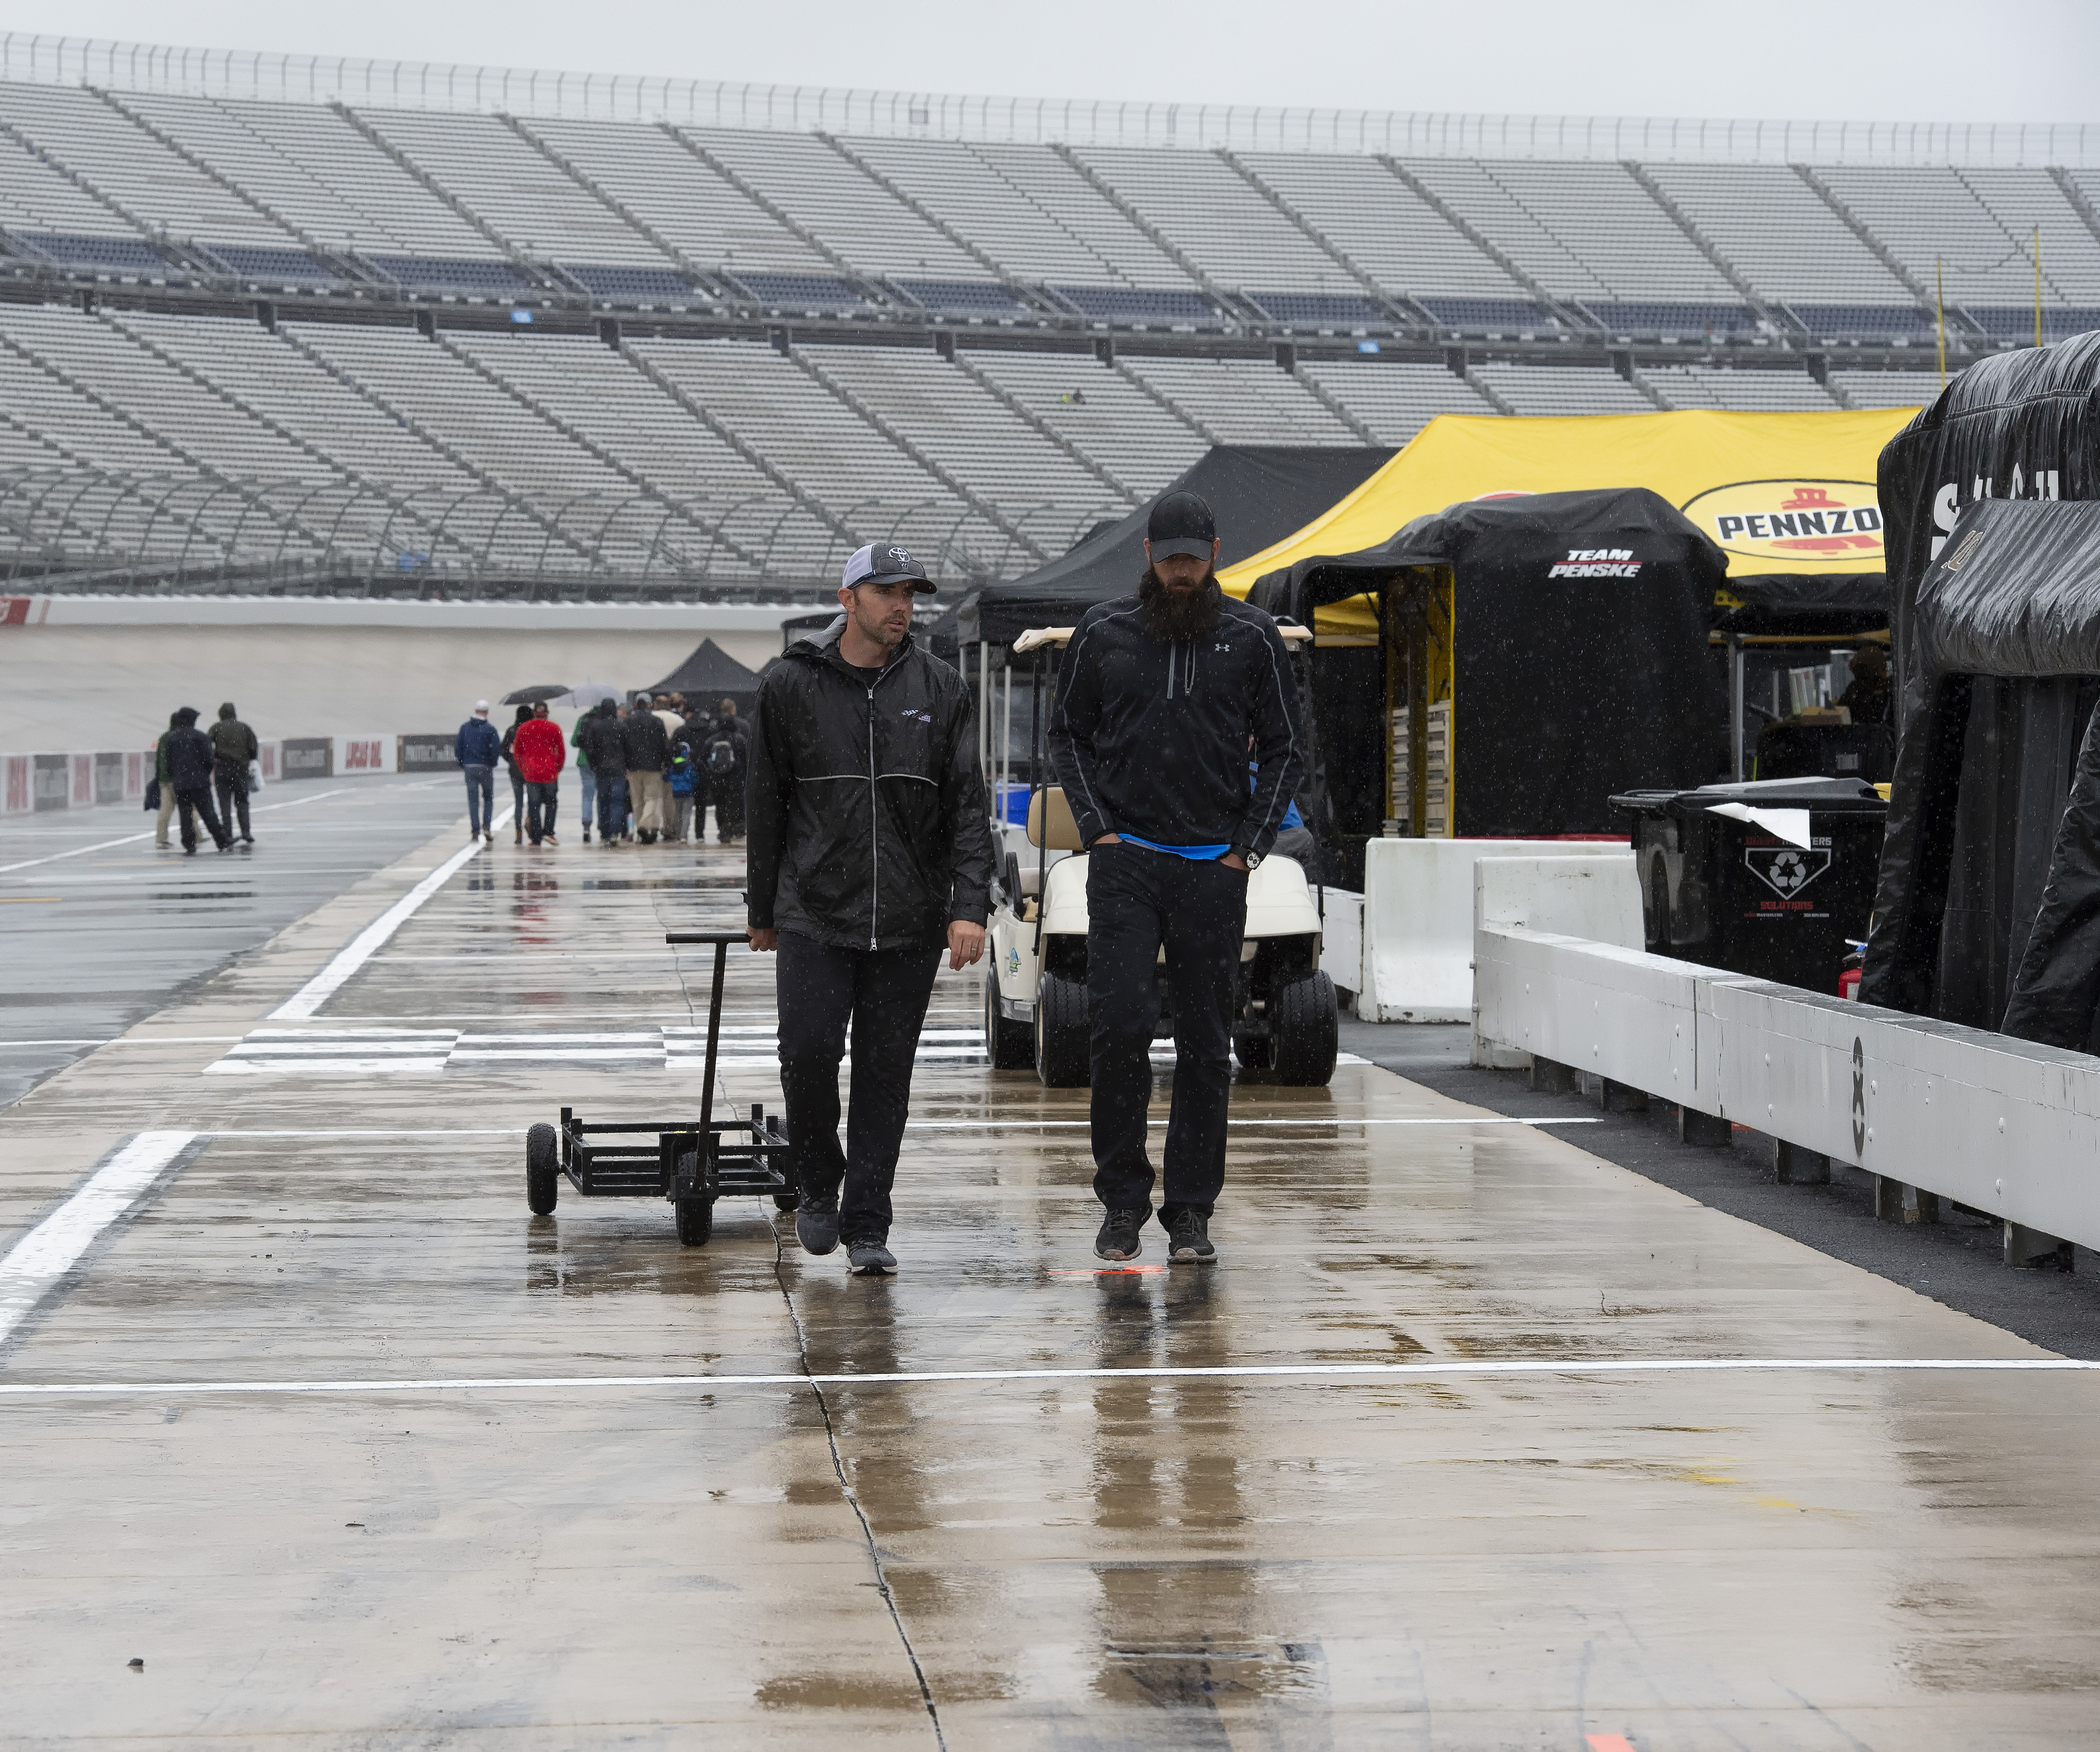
(1050, 822)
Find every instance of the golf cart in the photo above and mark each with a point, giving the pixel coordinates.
(1285, 1014)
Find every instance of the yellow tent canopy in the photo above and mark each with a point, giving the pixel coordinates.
(1780, 493)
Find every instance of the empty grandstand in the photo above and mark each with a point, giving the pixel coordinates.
(434, 336)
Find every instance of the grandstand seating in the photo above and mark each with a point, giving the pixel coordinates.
(1562, 389)
(788, 396)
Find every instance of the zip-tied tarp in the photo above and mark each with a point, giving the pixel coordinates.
(1988, 751)
(1580, 664)
(1782, 495)
(2013, 598)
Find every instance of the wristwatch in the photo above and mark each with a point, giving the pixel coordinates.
(1251, 859)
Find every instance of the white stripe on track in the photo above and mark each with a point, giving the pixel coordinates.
(51, 1249)
(132, 839)
(1310, 1371)
(324, 985)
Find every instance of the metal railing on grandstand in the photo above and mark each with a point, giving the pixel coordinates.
(81, 530)
(1075, 121)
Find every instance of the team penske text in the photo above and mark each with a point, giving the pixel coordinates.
(1598, 562)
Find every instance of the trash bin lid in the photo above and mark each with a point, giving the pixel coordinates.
(1822, 796)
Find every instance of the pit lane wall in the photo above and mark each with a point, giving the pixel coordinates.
(1932, 1109)
(32, 783)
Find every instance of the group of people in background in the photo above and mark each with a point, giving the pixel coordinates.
(648, 768)
(204, 775)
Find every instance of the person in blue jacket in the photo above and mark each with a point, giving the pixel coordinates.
(477, 748)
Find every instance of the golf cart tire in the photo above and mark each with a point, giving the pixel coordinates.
(1253, 1051)
(543, 1170)
(1010, 1045)
(786, 1201)
(1305, 1032)
(696, 1220)
(1063, 1059)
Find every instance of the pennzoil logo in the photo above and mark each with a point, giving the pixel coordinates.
(1597, 563)
(1792, 519)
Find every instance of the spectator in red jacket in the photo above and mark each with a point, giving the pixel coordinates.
(541, 752)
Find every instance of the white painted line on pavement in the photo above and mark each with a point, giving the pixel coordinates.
(132, 839)
(51, 1249)
(324, 985)
(1160, 1125)
(1574, 1367)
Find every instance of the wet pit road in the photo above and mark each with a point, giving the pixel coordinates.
(98, 929)
(1525, 1521)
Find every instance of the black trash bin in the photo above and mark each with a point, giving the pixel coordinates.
(1731, 893)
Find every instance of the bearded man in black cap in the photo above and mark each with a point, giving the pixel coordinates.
(1161, 696)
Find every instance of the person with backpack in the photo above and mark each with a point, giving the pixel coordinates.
(728, 754)
(585, 777)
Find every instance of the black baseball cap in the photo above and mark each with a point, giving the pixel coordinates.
(1180, 523)
(886, 562)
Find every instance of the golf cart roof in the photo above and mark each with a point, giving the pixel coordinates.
(1036, 638)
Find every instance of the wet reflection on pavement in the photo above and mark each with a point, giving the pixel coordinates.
(1768, 1558)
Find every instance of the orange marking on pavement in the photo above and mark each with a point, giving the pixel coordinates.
(1109, 1271)
(1609, 1743)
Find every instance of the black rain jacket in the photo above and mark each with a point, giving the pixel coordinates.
(233, 743)
(599, 738)
(1151, 739)
(647, 742)
(866, 813)
(190, 759)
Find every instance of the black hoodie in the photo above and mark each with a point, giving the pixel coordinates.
(1150, 739)
(866, 815)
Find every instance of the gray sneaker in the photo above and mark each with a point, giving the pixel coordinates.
(871, 1259)
(1120, 1237)
(1188, 1238)
(818, 1230)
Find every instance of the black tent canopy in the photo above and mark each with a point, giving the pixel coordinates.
(710, 674)
(1564, 635)
(1261, 493)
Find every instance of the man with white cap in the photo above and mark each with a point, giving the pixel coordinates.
(869, 851)
(478, 748)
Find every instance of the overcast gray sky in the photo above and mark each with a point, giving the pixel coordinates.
(1925, 60)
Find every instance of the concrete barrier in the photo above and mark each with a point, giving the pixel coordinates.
(1593, 897)
(1418, 921)
(1932, 1110)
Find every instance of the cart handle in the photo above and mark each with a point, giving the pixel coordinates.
(705, 936)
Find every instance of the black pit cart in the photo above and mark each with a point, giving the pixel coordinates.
(691, 1164)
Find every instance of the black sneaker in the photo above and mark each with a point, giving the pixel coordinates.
(1119, 1238)
(818, 1230)
(871, 1259)
(1188, 1238)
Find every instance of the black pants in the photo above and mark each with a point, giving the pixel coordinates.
(231, 783)
(884, 993)
(1138, 901)
(728, 796)
(541, 803)
(197, 802)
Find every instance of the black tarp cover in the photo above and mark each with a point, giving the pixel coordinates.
(1261, 493)
(709, 674)
(1567, 689)
(1835, 605)
(1986, 755)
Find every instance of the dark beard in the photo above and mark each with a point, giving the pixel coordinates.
(1172, 615)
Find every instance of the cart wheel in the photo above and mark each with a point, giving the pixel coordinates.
(1305, 1032)
(1062, 1057)
(1253, 1052)
(1011, 1046)
(543, 1170)
(786, 1201)
(696, 1220)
